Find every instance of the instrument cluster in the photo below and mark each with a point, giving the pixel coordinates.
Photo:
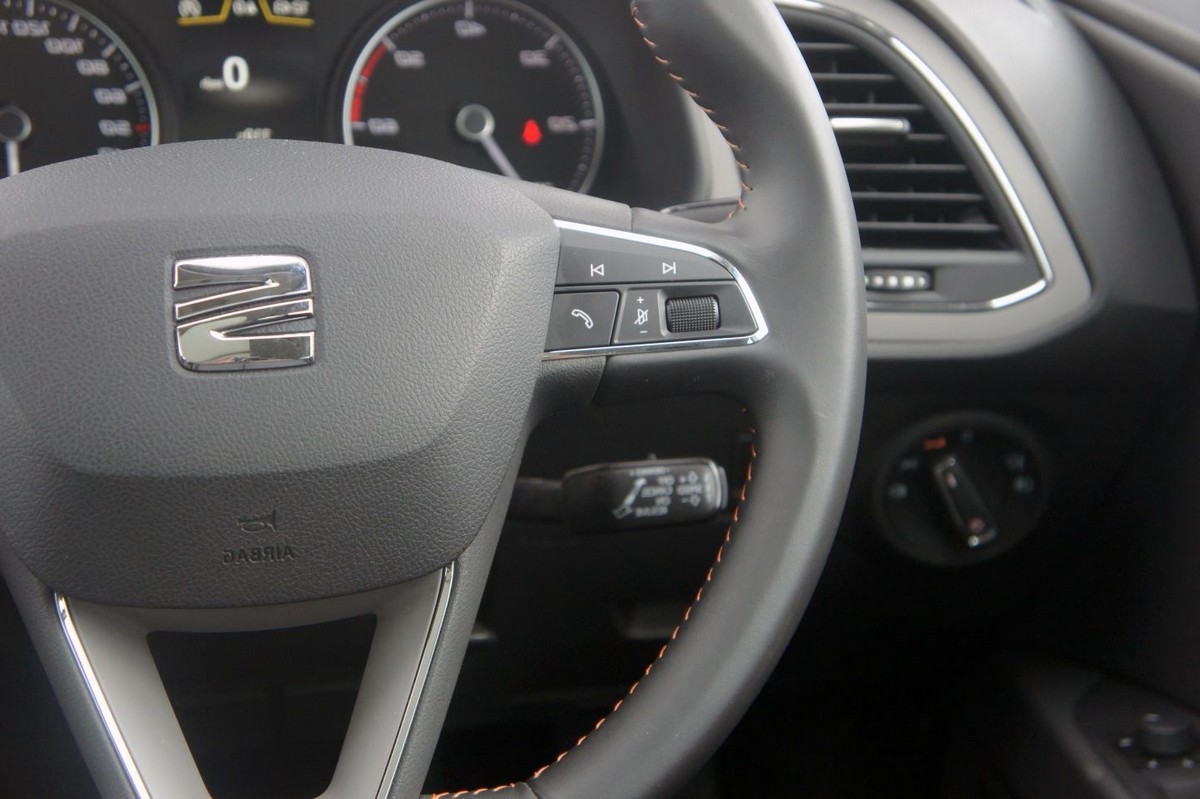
(490, 84)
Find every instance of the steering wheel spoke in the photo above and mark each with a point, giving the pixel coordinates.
(109, 645)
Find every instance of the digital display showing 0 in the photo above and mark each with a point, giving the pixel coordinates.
(246, 70)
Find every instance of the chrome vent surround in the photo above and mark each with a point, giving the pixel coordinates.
(911, 186)
(941, 226)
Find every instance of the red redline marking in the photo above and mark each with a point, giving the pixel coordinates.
(364, 78)
(373, 61)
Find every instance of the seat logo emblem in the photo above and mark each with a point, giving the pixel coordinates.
(214, 330)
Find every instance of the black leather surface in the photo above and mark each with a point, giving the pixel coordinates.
(125, 475)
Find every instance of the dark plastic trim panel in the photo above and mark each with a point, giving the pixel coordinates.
(1171, 25)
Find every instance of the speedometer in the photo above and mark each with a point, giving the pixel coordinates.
(68, 87)
(488, 84)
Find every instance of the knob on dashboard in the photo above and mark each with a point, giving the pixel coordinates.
(1165, 735)
(961, 488)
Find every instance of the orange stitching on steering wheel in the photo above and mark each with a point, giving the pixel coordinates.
(476, 792)
(737, 513)
(742, 166)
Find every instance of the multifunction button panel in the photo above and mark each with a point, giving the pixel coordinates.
(619, 292)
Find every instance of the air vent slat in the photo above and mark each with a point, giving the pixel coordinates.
(826, 47)
(916, 197)
(912, 191)
(854, 77)
(876, 109)
(942, 169)
(978, 229)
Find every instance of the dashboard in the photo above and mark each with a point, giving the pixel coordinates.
(566, 94)
(495, 85)
(971, 245)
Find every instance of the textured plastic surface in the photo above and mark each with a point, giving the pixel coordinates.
(1011, 47)
(1170, 25)
(129, 481)
(1158, 87)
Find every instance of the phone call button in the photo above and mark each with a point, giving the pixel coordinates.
(582, 319)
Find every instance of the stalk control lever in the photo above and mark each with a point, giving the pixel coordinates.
(629, 495)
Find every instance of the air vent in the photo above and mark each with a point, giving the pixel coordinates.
(937, 231)
(911, 185)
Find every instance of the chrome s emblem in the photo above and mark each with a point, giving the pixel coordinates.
(212, 331)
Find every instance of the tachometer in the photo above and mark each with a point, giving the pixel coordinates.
(68, 87)
(489, 84)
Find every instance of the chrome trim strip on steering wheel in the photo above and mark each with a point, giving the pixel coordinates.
(418, 684)
(98, 699)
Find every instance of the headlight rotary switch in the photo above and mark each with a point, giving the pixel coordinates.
(965, 507)
(961, 488)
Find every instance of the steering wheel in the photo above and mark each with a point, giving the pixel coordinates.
(163, 470)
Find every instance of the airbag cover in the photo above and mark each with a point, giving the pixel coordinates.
(125, 478)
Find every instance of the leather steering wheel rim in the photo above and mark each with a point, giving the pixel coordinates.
(738, 62)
